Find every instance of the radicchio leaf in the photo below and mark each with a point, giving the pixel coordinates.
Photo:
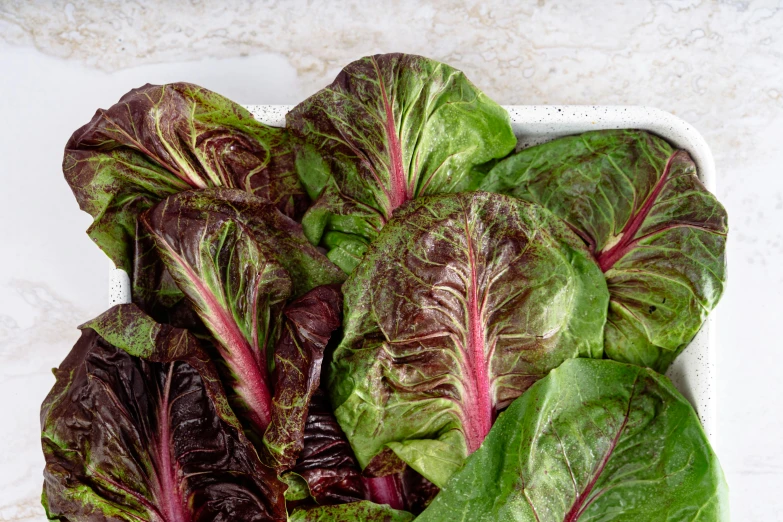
(656, 232)
(309, 323)
(461, 304)
(148, 440)
(417, 491)
(390, 128)
(278, 234)
(163, 139)
(231, 254)
(327, 463)
(594, 440)
(363, 511)
(152, 287)
(238, 289)
(405, 489)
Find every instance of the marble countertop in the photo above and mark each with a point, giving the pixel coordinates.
(716, 64)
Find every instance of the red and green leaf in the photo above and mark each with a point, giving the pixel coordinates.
(150, 439)
(235, 258)
(458, 307)
(657, 233)
(376, 138)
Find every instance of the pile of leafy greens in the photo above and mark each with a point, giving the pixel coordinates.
(382, 312)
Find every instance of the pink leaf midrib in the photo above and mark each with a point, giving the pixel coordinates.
(607, 258)
(170, 495)
(479, 403)
(399, 192)
(234, 348)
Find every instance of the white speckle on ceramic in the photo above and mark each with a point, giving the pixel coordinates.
(693, 372)
(273, 115)
(119, 287)
(534, 124)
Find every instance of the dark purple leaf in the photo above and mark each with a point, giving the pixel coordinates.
(418, 491)
(327, 463)
(148, 440)
(308, 326)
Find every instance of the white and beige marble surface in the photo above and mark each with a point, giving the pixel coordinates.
(719, 65)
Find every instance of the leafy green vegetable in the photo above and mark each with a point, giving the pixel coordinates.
(280, 236)
(163, 139)
(654, 229)
(308, 325)
(594, 440)
(477, 284)
(327, 464)
(355, 512)
(228, 252)
(460, 304)
(390, 128)
(237, 287)
(147, 440)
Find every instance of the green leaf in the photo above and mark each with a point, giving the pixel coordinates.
(363, 511)
(593, 441)
(656, 232)
(389, 129)
(460, 305)
(297, 487)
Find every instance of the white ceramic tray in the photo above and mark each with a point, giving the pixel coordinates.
(693, 372)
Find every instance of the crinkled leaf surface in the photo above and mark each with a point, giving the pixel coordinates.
(162, 139)
(238, 289)
(308, 325)
(593, 441)
(231, 254)
(390, 128)
(363, 511)
(461, 304)
(327, 463)
(152, 287)
(273, 231)
(148, 440)
(657, 233)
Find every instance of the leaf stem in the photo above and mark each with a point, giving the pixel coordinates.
(386, 490)
(607, 258)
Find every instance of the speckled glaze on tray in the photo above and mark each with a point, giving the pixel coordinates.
(693, 372)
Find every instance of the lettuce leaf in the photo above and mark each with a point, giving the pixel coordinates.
(148, 439)
(460, 304)
(594, 440)
(390, 128)
(236, 259)
(159, 140)
(656, 232)
(363, 511)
